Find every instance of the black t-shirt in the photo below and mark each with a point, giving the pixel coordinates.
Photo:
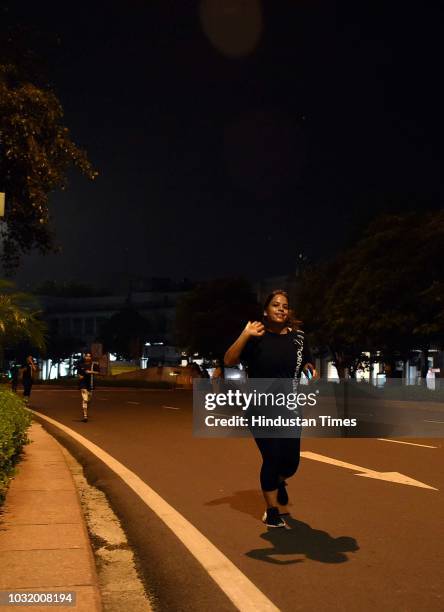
(276, 355)
(85, 381)
(28, 373)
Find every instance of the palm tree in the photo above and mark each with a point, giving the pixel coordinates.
(19, 319)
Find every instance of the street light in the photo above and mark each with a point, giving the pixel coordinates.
(2, 204)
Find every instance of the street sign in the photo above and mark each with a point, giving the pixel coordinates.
(2, 204)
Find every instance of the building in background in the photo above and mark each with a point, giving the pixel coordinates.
(81, 318)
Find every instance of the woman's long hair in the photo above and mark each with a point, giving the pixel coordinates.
(292, 322)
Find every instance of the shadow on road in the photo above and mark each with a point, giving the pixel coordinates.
(301, 539)
(249, 502)
(298, 539)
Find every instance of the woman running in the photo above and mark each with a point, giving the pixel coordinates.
(29, 373)
(274, 348)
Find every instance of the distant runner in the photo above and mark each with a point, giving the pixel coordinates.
(15, 375)
(29, 373)
(86, 369)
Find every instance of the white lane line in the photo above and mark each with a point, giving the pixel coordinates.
(237, 587)
(133, 403)
(426, 421)
(396, 477)
(170, 408)
(402, 442)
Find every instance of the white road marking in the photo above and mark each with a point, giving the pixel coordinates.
(133, 403)
(170, 407)
(368, 473)
(402, 442)
(243, 593)
(426, 421)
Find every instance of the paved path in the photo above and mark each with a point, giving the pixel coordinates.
(44, 545)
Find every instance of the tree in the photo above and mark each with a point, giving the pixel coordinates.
(211, 316)
(60, 349)
(125, 333)
(36, 152)
(385, 293)
(19, 319)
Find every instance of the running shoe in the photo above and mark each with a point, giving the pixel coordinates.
(282, 495)
(272, 518)
(85, 419)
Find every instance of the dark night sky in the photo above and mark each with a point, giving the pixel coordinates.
(232, 135)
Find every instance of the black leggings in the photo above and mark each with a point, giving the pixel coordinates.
(280, 460)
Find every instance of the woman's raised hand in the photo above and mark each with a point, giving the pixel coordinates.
(254, 328)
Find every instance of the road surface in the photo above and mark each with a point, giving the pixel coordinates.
(353, 542)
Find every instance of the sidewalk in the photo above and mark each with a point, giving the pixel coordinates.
(44, 545)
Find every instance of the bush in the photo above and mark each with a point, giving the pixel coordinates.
(14, 422)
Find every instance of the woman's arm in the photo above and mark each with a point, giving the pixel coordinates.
(232, 356)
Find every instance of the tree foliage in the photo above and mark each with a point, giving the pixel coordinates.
(61, 348)
(211, 316)
(19, 318)
(385, 293)
(125, 333)
(36, 152)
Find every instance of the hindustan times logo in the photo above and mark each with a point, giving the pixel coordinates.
(239, 399)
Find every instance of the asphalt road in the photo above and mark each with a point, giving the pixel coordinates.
(353, 542)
